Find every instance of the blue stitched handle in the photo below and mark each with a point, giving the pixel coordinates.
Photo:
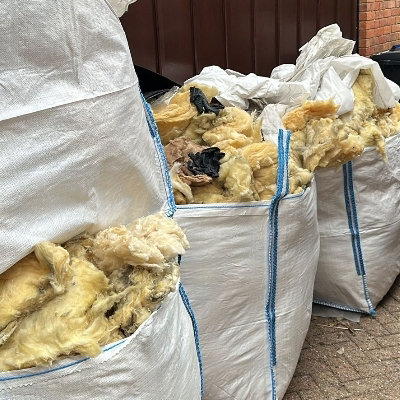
(281, 191)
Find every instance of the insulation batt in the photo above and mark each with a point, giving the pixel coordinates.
(236, 175)
(247, 173)
(323, 139)
(237, 119)
(249, 169)
(62, 325)
(263, 160)
(37, 283)
(211, 193)
(173, 119)
(226, 139)
(97, 301)
(180, 118)
(146, 242)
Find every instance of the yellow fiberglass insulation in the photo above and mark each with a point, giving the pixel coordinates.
(263, 159)
(95, 307)
(330, 143)
(226, 139)
(234, 118)
(146, 242)
(230, 118)
(236, 176)
(37, 283)
(297, 119)
(61, 326)
(246, 173)
(249, 169)
(211, 193)
(143, 291)
(173, 119)
(299, 177)
(321, 138)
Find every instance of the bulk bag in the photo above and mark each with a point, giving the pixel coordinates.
(249, 275)
(358, 217)
(80, 152)
(159, 361)
(76, 150)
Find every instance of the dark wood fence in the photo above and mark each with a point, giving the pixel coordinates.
(177, 38)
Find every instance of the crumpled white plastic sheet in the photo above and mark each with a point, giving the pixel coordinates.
(235, 89)
(319, 310)
(120, 6)
(325, 69)
(395, 89)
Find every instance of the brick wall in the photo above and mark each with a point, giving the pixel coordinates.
(379, 25)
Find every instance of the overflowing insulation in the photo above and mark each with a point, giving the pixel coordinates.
(89, 292)
(248, 169)
(174, 119)
(321, 138)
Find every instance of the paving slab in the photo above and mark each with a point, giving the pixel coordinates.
(351, 360)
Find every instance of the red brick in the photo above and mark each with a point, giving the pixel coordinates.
(368, 15)
(396, 28)
(363, 7)
(387, 30)
(363, 52)
(386, 13)
(391, 4)
(367, 34)
(371, 33)
(363, 43)
(380, 48)
(371, 24)
(391, 21)
(380, 31)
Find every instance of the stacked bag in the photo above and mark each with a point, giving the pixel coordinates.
(241, 200)
(253, 280)
(251, 286)
(81, 154)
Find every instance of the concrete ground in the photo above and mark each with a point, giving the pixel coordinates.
(347, 360)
